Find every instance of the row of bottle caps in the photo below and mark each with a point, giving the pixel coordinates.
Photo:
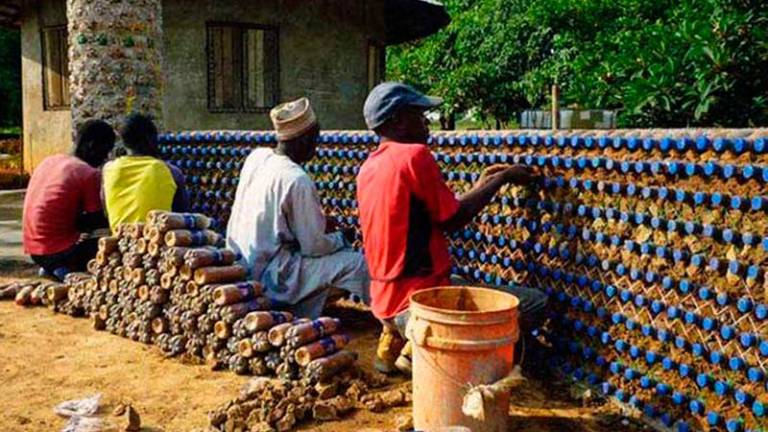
(701, 144)
(189, 157)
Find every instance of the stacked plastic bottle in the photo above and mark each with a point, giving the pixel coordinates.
(651, 244)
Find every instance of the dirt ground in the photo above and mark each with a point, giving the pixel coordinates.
(47, 358)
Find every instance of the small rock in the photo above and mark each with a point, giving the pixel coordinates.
(404, 423)
(132, 420)
(119, 410)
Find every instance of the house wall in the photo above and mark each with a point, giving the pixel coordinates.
(323, 55)
(45, 132)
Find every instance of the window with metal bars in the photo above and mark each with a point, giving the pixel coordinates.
(55, 68)
(243, 67)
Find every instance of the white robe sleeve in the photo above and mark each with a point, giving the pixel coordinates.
(305, 216)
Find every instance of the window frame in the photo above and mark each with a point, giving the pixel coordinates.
(210, 70)
(44, 63)
(382, 58)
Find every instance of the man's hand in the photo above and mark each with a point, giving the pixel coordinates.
(491, 172)
(520, 175)
(516, 174)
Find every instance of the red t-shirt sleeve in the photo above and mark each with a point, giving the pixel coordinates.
(92, 191)
(429, 186)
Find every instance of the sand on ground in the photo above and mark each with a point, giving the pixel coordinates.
(46, 358)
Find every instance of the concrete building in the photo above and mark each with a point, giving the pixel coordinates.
(201, 64)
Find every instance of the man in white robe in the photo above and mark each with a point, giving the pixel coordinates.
(278, 226)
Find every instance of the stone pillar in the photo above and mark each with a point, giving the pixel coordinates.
(115, 59)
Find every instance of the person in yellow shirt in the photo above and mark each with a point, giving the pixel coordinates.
(140, 181)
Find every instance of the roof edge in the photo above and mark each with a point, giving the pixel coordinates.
(408, 20)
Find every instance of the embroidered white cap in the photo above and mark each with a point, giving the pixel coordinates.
(292, 119)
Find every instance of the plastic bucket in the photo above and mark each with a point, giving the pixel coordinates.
(461, 336)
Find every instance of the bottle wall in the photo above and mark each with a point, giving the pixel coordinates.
(652, 246)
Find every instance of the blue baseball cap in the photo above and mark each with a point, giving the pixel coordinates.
(386, 98)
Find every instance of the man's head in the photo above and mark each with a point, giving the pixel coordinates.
(396, 111)
(139, 135)
(95, 139)
(297, 129)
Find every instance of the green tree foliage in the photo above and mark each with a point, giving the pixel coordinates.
(10, 78)
(662, 63)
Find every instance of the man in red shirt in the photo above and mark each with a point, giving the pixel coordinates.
(63, 202)
(406, 207)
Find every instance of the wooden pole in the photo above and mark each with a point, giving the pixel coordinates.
(555, 106)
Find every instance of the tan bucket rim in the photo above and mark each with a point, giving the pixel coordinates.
(413, 302)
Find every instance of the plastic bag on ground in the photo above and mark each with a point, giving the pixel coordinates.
(80, 407)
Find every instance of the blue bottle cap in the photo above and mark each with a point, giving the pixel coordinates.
(696, 407)
(722, 299)
(626, 295)
(758, 408)
(698, 350)
(744, 304)
(711, 169)
(691, 169)
(668, 364)
(690, 318)
(620, 395)
(758, 203)
(625, 167)
(713, 418)
(749, 171)
(678, 398)
(651, 357)
(755, 374)
(708, 323)
(702, 144)
(714, 264)
(742, 397)
(605, 338)
(667, 282)
(728, 171)
(630, 373)
(761, 311)
(630, 324)
(760, 145)
(674, 168)
(680, 342)
(727, 332)
(650, 277)
(736, 363)
(684, 370)
(685, 285)
(617, 318)
(673, 312)
(734, 425)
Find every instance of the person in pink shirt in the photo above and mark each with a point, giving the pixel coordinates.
(63, 203)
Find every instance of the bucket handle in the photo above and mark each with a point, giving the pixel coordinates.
(420, 333)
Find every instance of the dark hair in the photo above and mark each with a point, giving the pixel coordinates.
(139, 135)
(95, 139)
(302, 148)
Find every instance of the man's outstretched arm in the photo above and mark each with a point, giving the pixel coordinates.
(475, 200)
